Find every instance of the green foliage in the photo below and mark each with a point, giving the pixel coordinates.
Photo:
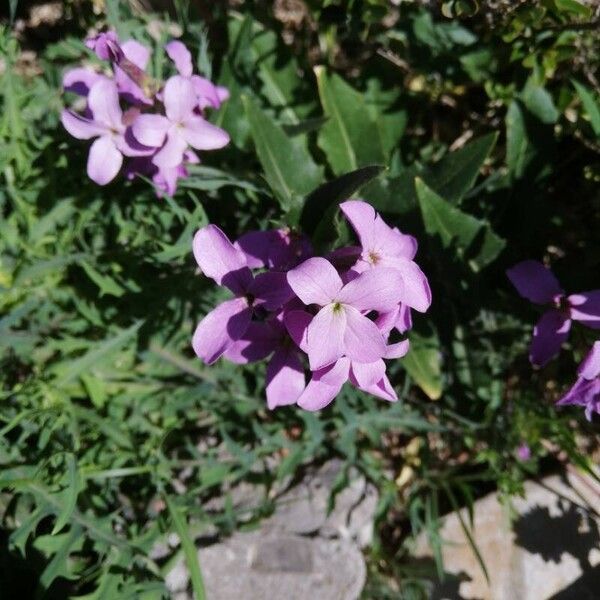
(476, 133)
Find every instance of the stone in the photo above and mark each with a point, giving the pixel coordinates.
(550, 550)
(258, 565)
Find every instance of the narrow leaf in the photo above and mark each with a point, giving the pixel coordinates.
(591, 105)
(70, 495)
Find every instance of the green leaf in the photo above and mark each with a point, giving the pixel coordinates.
(473, 238)
(106, 284)
(454, 175)
(70, 494)
(332, 193)
(574, 7)
(349, 139)
(539, 102)
(189, 549)
(58, 566)
(289, 168)
(73, 369)
(591, 105)
(519, 150)
(423, 364)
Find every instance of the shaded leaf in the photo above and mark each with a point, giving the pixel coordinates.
(591, 105)
(423, 364)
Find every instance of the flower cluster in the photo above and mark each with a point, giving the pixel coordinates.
(334, 314)
(586, 390)
(538, 284)
(162, 124)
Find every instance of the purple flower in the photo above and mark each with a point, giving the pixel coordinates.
(539, 285)
(524, 452)
(207, 93)
(276, 248)
(106, 125)
(586, 390)
(179, 129)
(220, 260)
(130, 75)
(106, 46)
(339, 328)
(285, 380)
(80, 80)
(384, 246)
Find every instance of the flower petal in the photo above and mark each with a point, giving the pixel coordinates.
(202, 135)
(534, 281)
(382, 389)
(103, 101)
(585, 308)
(325, 337)
(363, 342)
(181, 56)
(549, 334)
(296, 322)
(367, 374)
(220, 260)
(256, 245)
(397, 350)
(325, 385)
(271, 290)
(207, 92)
(362, 218)
(171, 154)
(284, 378)
(80, 80)
(150, 130)
(179, 98)
(416, 292)
(590, 367)
(79, 127)
(104, 160)
(257, 343)
(376, 289)
(137, 53)
(220, 328)
(315, 281)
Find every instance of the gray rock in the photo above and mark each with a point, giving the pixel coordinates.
(550, 550)
(255, 566)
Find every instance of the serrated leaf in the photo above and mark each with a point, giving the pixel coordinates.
(69, 495)
(332, 193)
(454, 175)
(58, 566)
(349, 139)
(423, 364)
(106, 284)
(591, 105)
(289, 168)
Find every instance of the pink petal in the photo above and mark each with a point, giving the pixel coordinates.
(325, 385)
(534, 281)
(206, 92)
(150, 130)
(549, 334)
(220, 260)
(220, 328)
(362, 218)
(325, 337)
(256, 245)
(271, 290)
(202, 135)
(297, 322)
(129, 90)
(137, 53)
(376, 289)
(79, 127)
(284, 378)
(585, 308)
(415, 292)
(382, 389)
(367, 374)
(171, 154)
(401, 244)
(181, 56)
(590, 367)
(80, 80)
(179, 98)
(257, 343)
(363, 341)
(104, 160)
(397, 350)
(315, 281)
(103, 101)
